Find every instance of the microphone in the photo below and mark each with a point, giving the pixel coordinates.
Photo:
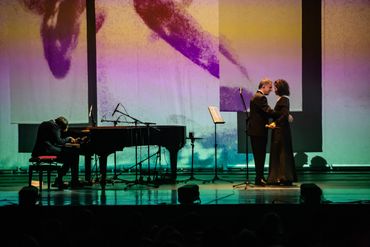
(240, 90)
(90, 111)
(115, 110)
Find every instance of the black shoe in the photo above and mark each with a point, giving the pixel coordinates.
(60, 185)
(286, 183)
(260, 182)
(87, 183)
(77, 185)
(273, 183)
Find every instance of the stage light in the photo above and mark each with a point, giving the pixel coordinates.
(310, 194)
(188, 194)
(28, 196)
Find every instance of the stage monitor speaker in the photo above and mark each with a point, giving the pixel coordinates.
(28, 196)
(188, 194)
(310, 193)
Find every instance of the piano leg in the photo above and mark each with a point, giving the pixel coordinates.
(103, 170)
(173, 160)
(88, 167)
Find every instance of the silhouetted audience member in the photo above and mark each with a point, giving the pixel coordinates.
(169, 236)
(244, 238)
(126, 227)
(26, 240)
(271, 231)
(217, 235)
(84, 228)
(54, 233)
(191, 226)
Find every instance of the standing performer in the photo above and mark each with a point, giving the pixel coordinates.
(260, 112)
(282, 165)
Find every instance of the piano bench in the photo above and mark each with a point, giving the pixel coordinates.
(40, 164)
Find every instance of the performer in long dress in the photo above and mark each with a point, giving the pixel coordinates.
(281, 166)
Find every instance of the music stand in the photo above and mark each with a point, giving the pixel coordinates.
(217, 119)
(192, 140)
(246, 183)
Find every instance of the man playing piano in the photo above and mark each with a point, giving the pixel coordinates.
(49, 141)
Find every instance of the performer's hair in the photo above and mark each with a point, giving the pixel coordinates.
(282, 87)
(264, 82)
(62, 122)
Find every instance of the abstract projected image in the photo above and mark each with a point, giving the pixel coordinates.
(46, 43)
(162, 62)
(166, 61)
(159, 59)
(266, 40)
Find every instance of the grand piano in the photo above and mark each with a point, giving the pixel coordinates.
(104, 141)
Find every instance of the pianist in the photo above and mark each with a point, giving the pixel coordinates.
(49, 141)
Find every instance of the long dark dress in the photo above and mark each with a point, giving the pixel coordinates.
(282, 166)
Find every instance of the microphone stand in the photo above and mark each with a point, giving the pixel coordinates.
(140, 180)
(115, 178)
(246, 183)
(192, 140)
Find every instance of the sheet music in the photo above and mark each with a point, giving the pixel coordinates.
(215, 114)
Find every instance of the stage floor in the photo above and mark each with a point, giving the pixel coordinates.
(339, 187)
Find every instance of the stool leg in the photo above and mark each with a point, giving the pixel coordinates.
(30, 171)
(40, 180)
(49, 179)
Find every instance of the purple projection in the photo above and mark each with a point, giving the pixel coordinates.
(59, 31)
(180, 30)
(223, 47)
(100, 17)
(230, 98)
(61, 25)
(171, 21)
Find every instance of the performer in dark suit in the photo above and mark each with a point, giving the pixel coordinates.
(49, 141)
(260, 112)
(282, 165)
